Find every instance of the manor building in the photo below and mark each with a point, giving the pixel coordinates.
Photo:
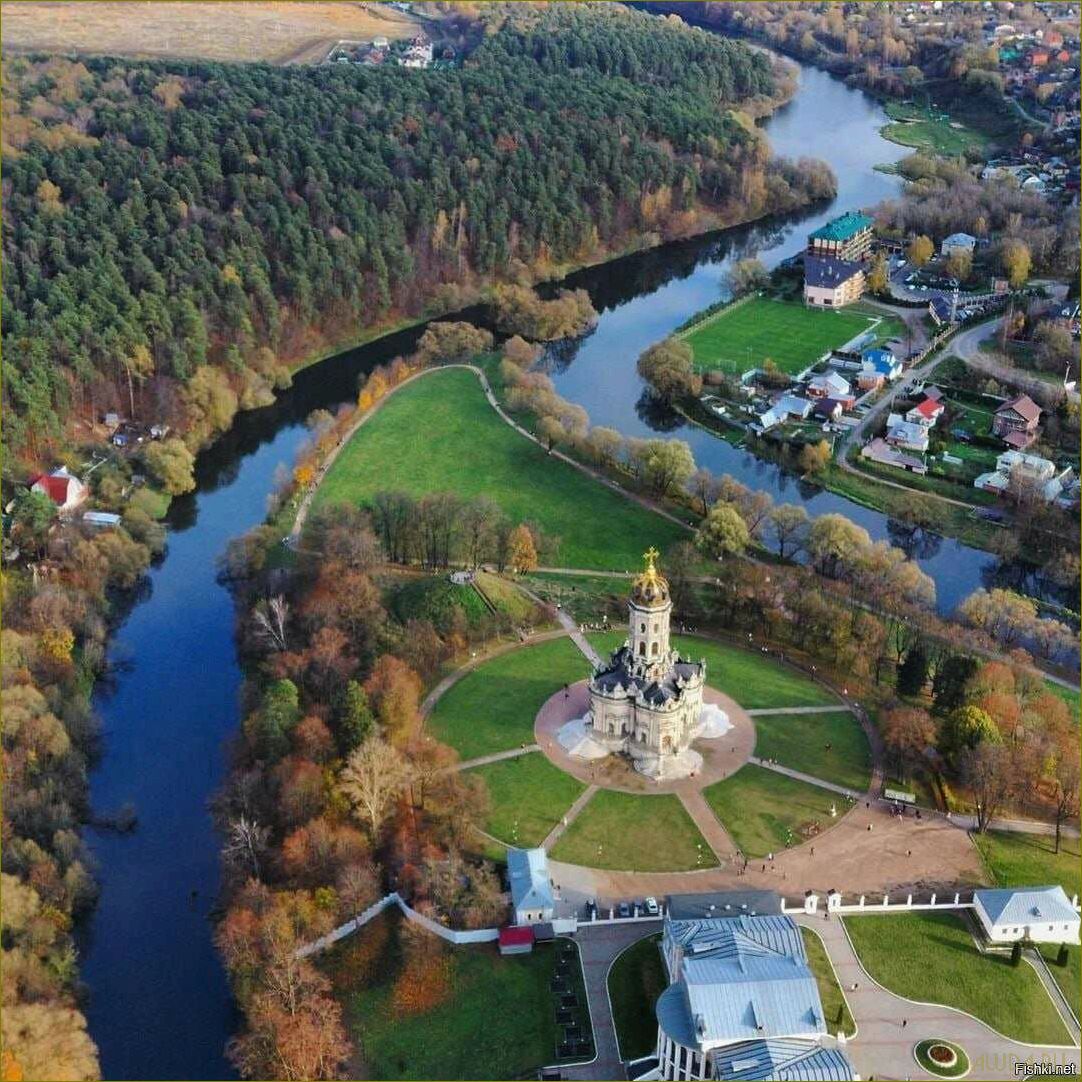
(646, 700)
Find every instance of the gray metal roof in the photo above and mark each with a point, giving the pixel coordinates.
(782, 1060)
(620, 672)
(745, 978)
(1031, 905)
(527, 870)
(829, 272)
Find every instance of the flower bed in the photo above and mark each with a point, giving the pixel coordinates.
(942, 1058)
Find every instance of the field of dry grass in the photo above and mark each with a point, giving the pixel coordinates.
(261, 30)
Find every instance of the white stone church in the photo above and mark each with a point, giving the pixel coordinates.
(646, 701)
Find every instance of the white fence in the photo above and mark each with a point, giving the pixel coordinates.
(882, 903)
(452, 935)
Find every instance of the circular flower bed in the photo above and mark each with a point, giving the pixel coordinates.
(942, 1058)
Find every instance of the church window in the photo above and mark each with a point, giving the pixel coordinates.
(642, 649)
(642, 628)
(653, 648)
(655, 628)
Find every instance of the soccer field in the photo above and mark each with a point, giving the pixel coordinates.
(792, 336)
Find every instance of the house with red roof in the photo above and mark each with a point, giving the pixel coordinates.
(926, 413)
(62, 487)
(516, 939)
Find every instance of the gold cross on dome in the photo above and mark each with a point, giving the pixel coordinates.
(650, 555)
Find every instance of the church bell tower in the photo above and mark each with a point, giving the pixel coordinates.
(649, 609)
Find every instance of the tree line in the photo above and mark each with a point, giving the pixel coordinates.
(162, 217)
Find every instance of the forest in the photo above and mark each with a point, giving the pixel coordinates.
(162, 217)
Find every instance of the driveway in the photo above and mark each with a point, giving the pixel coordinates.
(883, 1047)
(599, 944)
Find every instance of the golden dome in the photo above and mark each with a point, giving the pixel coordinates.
(650, 589)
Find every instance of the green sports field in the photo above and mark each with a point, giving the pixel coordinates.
(744, 336)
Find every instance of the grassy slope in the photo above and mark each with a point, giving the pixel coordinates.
(792, 336)
(799, 741)
(636, 979)
(1029, 859)
(759, 808)
(440, 434)
(836, 1011)
(931, 957)
(496, 1021)
(493, 707)
(625, 832)
(528, 795)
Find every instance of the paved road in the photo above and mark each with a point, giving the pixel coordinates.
(883, 1048)
(496, 757)
(569, 816)
(598, 946)
(837, 708)
(810, 779)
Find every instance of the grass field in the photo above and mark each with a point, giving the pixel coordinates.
(636, 979)
(492, 708)
(1017, 860)
(527, 796)
(836, 1011)
(439, 434)
(931, 957)
(625, 832)
(1071, 697)
(744, 336)
(262, 31)
(492, 1017)
(913, 127)
(760, 808)
(800, 741)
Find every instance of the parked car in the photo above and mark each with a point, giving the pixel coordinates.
(591, 910)
(624, 910)
(652, 907)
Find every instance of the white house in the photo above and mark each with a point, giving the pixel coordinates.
(926, 413)
(829, 385)
(531, 891)
(792, 405)
(1039, 914)
(958, 242)
(906, 435)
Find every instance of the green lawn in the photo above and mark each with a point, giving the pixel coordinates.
(436, 598)
(743, 336)
(492, 708)
(636, 979)
(914, 127)
(760, 808)
(1068, 977)
(495, 1019)
(1018, 860)
(1071, 697)
(931, 957)
(836, 1011)
(625, 832)
(527, 795)
(800, 741)
(439, 434)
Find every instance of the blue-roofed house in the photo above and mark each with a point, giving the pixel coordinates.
(531, 890)
(940, 309)
(742, 1001)
(882, 361)
(1039, 914)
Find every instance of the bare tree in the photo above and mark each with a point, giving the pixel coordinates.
(988, 769)
(374, 775)
(271, 618)
(245, 845)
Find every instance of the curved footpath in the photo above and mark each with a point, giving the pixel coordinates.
(883, 1047)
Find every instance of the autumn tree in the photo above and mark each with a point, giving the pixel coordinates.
(746, 276)
(789, 523)
(964, 729)
(394, 691)
(814, 457)
(920, 250)
(668, 370)
(667, 464)
(1016, 259)
(374, 775)
(989, 770)
(907, 733)
(522, 551)
(879, 275)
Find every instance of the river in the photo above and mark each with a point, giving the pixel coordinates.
(159, 1004)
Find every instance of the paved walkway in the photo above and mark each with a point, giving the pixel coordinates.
(837, 708)
(569, 816)
(883, 1048)
(1055, 993)
(495, 757)
(710, 827)
(598, 947)
(811, 779)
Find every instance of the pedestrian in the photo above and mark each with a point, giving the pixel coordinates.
(813, 850)
(905, 1022)
(869, 828)
(909, 852)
